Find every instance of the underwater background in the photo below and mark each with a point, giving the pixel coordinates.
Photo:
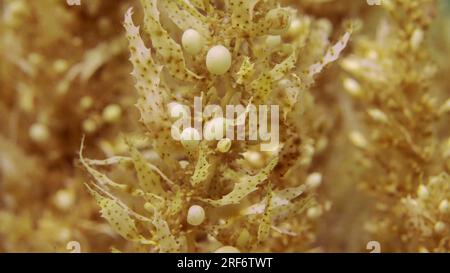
(87, 164)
